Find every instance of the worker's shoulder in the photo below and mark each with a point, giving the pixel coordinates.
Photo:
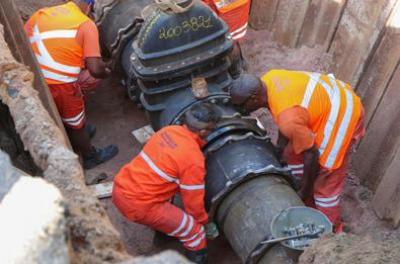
(88, 27)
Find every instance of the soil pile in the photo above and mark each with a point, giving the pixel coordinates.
(28, 7)
(262, 54)
(350, 249)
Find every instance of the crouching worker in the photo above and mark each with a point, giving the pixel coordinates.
(319, 118)
(171, 162)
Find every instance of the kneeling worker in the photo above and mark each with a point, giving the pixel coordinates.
(171, 162)
(65, 41)
(319, 119)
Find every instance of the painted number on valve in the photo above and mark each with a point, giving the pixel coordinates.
(191, 25)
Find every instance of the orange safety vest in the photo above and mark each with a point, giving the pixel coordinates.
(53, 41)
(235, 13)
(333, 106)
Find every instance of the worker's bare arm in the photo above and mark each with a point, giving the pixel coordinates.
(97, 67)
(281, 144)
(311, 169)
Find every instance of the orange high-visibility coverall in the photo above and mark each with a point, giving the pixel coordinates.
(315, 109)
(235, 13)
(170, 162)
(61, 38)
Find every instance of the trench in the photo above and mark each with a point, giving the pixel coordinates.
(116, 117)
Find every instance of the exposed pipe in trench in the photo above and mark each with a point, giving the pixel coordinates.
(246, 186)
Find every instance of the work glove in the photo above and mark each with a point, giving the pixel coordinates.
(211, 231)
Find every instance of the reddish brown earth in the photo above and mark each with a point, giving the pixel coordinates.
(116, 116)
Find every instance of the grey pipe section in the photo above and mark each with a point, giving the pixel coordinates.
(246, 213)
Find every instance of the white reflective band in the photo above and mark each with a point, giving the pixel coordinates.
(297, 171)
(327, 205)
(58, 77)
(240, 29)
(189, 229)
(295, 166)
(328, 199)
(344, 125)
(157, 170)
(240, 35)
(45, 59)
(76, 120)
(194, 236)
(183, 223)
(42, 49)
(334, 96)
(192, 187)
(53, 34)
(58, 66)
(197, 242)
(312, 83)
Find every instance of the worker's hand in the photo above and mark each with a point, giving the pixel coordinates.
(211, 231)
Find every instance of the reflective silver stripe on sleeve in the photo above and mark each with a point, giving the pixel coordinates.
(192, 187)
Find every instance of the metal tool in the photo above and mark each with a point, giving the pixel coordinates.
(312, 234)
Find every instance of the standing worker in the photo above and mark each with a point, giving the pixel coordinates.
(65, 41)
(170, 162)
(235, 13)
(319, 119)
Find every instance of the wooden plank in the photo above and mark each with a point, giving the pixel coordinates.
(375, 79)
(386, 201)
(262, 13)
(320, 22)
(143, 134)
(102, 190)
(358, 30)
(379, 144)
(288, 21)
(21, 49)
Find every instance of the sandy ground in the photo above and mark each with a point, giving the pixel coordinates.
(116, 116)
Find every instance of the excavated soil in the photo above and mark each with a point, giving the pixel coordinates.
(28, 7)
(116, 116)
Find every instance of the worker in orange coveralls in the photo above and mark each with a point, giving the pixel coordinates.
(235, 13)
(170, 162)
(319, 118)
(65, 42)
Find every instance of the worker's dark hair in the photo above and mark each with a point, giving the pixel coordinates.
(201, 116)
(244, 87)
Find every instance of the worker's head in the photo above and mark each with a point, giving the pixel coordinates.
(202, 118)
(86, 6)
(248, 93)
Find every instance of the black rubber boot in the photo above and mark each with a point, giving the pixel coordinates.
(98, 156)
(90, 130)
(198, 257)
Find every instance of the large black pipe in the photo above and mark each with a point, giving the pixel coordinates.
(246, 186)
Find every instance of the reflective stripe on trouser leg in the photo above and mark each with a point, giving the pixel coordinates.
(171, 220)
(327, 190)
